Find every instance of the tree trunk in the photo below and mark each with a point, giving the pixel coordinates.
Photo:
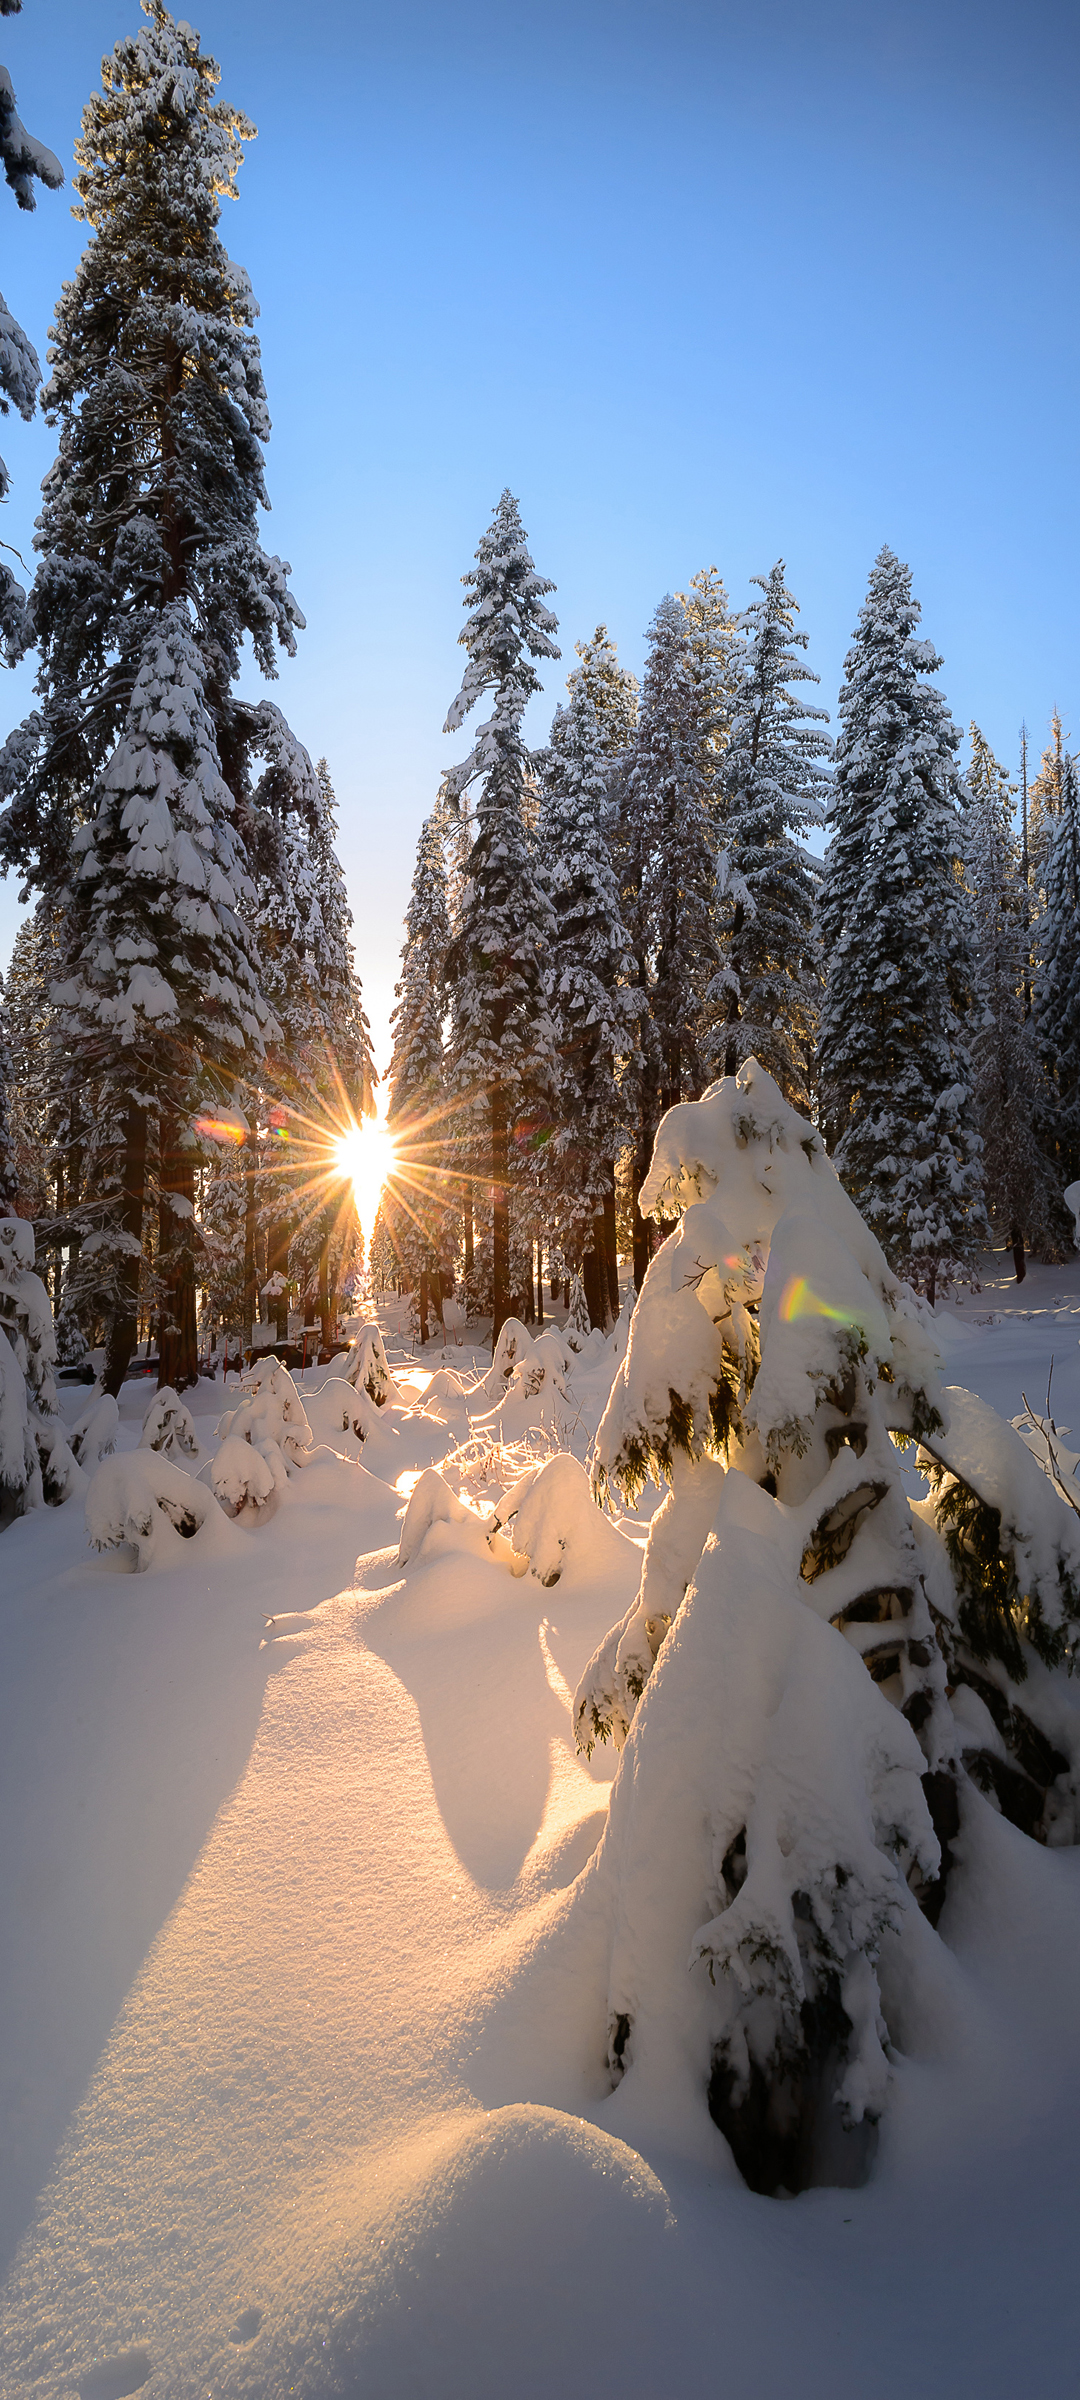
(539, 1281)
(123, 1331)
(467, 1217)
(422, 1305)
(500, 1214)
(1016, 1244)
(324, 1293)
(178, 1358)
(642, 1235)
(251, 1290)
(594, 1280)
(611, 1249)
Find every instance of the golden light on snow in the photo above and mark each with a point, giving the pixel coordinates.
(366, 1154)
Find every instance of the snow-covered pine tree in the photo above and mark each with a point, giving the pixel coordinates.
(25, 161)
(816, 1668)
(1044, 802)
(668, 876)
(770, 790)
(716, 626)
(157, 390)
(1010, 1097)
(417, 1197)
(612, 691)
(593, 1005)
(502, 1040)
(1057, 972)
(160, 1003)
(894, 1065)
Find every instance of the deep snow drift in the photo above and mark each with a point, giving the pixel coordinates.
(303, 2079)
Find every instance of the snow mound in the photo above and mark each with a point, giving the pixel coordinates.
(93, 1435)
(558, 1527)
(246, 1479)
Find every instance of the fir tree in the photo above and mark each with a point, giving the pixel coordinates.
(25, 162)
(415, 1202)
(1044, 801)
(668, 877)
(1008, 1074)
(894, 1061)
(502, 1038)
(770, 788)
(161, 1001)
(1057, 973)
(593, 1009)
(612, 692)
(157, 391)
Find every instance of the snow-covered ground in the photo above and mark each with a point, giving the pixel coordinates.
(300, 2092)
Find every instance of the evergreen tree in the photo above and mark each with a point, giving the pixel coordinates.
(25, 162)
(1008, 1074)
(9, 1180)
(161, 1003)
(1057, 973)
(894, 1060)
(503, 1046)
(668, 877)
(415, 1202)
(157, 391)
(770, 788)
(593, 1009)
(151, 508)
(1045, 800)
(612, 692)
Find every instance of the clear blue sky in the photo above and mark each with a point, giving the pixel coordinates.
(701, 282)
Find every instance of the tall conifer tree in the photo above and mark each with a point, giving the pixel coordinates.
(415, 1202)
(1008, 1096)
(894, 1060)
(1057, 974)
(771, 784)
(502, 1037)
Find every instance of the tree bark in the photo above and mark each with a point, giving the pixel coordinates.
(594, 1280)
(539, 1281)
(500, 1214)
(1016, 1244)
(611, 1249)
(251, 1295)
(123, 1331)
(178, 1357)
(467, 1216)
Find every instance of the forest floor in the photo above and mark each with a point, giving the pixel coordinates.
(300, 2090)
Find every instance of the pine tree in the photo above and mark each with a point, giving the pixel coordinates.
(894, 1062)
(612, 692)
(161, 1002)
(157, 391)
(25, 162)
(770, 788)
(593, 1009)
(415, 1203)
(1008, 1075)
(668, 876)
(1044, 801)
(1057, 972)
(151, 506)
(502, 1039)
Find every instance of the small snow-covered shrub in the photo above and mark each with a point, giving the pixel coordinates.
(774, 1368)
(136, 1497)
(514, 1347)
(270, 1412)
(93, 1435)
(36, 1463)
(366, 1367)
(167, 1426)
(245, 1480)
(557, 1526)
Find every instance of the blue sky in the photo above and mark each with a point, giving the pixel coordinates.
(703, 283)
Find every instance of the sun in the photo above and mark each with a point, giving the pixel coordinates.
(366, 1153)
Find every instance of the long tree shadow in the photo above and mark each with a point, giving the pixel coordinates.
(462, 1635)
(129, 1707)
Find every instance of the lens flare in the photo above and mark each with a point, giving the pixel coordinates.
(220, 1129)
(801, 1300)
(366, 1153)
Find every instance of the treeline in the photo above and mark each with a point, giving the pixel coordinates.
(600, 928)
(182, 1024)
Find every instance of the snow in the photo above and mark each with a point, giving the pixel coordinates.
(303, 2077)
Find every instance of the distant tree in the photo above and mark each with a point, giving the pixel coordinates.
(897, 1016)
(417, 1199)
(1057, 974)
(502, 1040)
(668, 878)
(1008, 1072)
(1044, 801)
(593, 1007)
(771, 785)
